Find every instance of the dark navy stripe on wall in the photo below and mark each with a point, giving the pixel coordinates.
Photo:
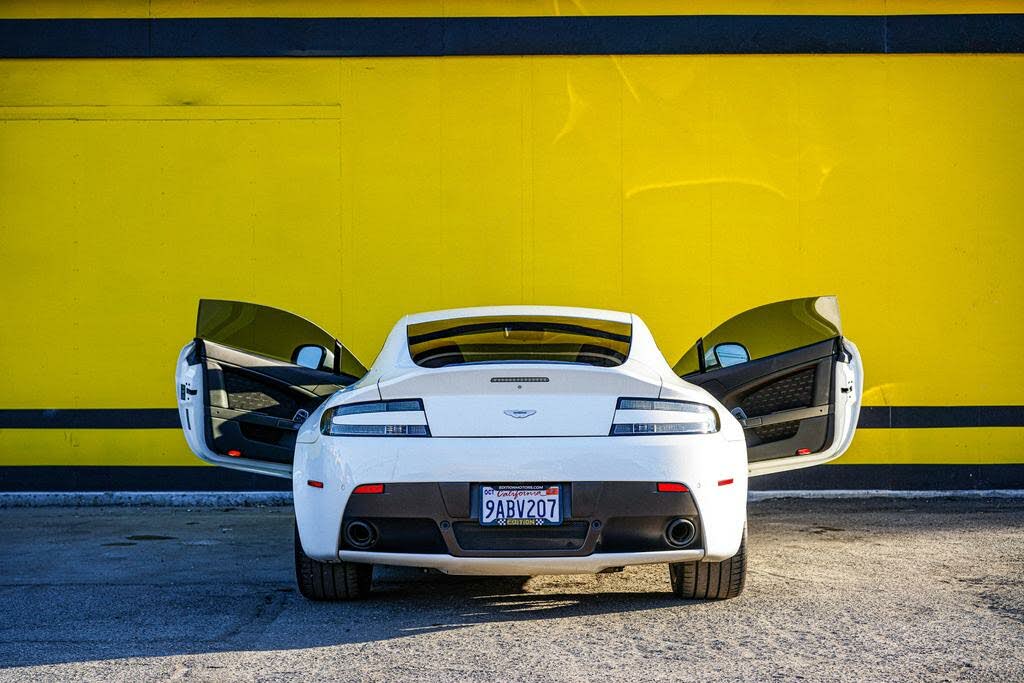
(871, 417)
(117, 478)
(904, 417)
(95, 418)
(894, 478)
(440, 36)
(885, 477)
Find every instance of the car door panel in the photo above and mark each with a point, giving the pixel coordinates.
(241, 408)
(256, 404)
(847, 388)
(782, 401)
(786, 396)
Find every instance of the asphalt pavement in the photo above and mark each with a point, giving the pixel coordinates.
(863, 589)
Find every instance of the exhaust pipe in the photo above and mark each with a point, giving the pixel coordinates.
(680, 532)
(360, 534)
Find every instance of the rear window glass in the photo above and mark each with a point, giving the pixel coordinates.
(519, 339)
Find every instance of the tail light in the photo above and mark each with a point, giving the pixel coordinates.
(376, 418)
(637, 416)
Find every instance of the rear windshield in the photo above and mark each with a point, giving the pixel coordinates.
(519, 339)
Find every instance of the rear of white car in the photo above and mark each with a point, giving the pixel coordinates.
(521, 440)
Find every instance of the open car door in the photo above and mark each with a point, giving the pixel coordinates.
(250, 378)
(787, 374)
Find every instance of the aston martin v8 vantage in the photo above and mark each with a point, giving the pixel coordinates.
(520, 440)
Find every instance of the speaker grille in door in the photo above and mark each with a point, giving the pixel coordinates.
(246, 393)
(786, 393)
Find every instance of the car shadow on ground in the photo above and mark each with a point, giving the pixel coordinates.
(456, 601)
(273, 616)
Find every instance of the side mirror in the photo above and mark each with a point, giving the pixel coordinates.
(310, 356)
(731, 353)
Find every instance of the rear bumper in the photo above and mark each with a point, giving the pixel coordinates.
(701, 462)
(521, 566)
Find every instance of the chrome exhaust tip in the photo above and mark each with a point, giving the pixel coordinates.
(361, 535)
(680, 532)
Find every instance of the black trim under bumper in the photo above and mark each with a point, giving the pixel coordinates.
(599, 517)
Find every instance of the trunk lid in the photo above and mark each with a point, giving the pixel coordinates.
(517, 400)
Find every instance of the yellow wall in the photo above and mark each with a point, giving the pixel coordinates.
(162, 9)
(352, 191)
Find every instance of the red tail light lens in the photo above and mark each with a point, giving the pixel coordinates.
(725, 482)
(369, 488)
(671, 487)
(315, 484)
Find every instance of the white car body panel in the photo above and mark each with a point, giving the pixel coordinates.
(474, 438)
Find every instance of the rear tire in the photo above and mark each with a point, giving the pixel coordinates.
(711, 580)
(330, 580)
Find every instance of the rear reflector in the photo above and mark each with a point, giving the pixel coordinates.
(235, 453)
(315, 484)
(369, 488)
(804, 451)
(724, 482)
(671, 487)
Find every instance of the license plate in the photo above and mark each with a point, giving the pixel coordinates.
(520, 505)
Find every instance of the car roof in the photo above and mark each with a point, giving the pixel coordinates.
(483, 311)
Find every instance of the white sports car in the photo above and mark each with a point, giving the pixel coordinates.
(519, 440)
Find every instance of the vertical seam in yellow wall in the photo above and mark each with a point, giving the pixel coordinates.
(798, 191)
(440, 174)
(890, 160)
(712, 139)
(522, 179)
(622, 200)
(529, 154)
(887, 439)
(341, 208)
(348, 250)
(78, 231)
